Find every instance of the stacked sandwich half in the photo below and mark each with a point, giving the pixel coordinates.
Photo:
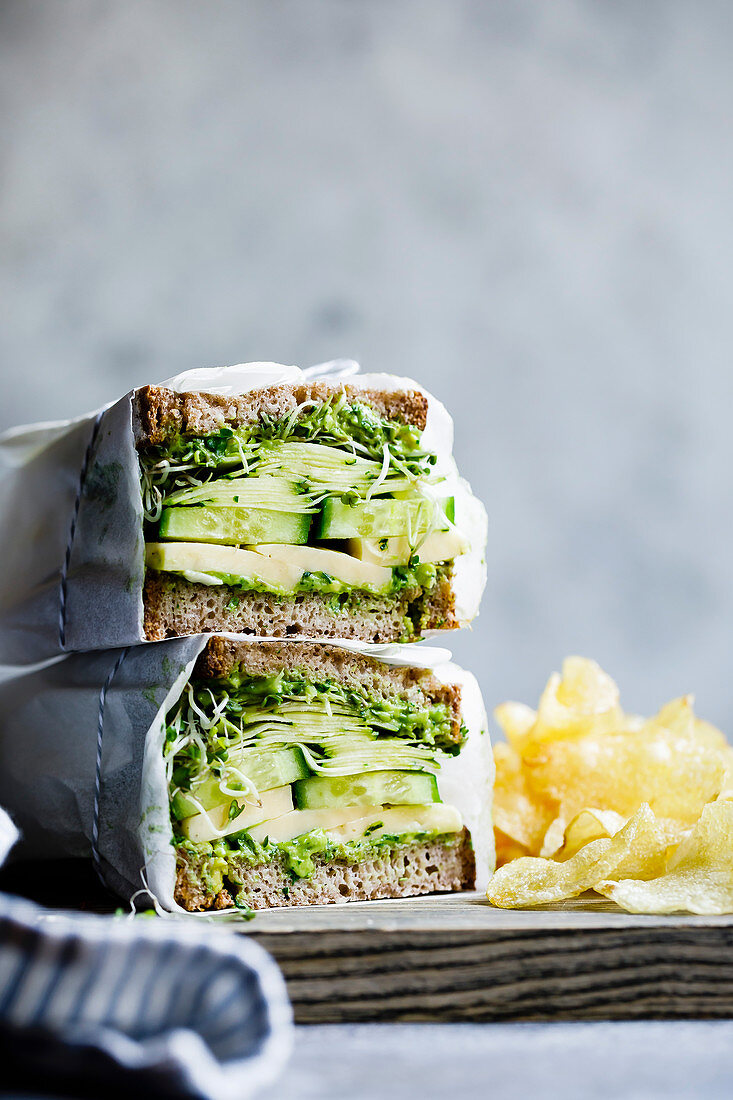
(301, 532)
(304, 772)
(316, 508)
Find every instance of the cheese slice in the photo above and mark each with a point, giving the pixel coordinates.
(397, 820)
(342, 567)
(297, 822)
(215, 823)
(272, 565)
(201, 560)
(389, 552)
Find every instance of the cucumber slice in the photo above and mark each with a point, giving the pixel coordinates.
(273, 769)
(266, 770)
(376, 518)
(327, 468)
(389, 788)
(233, 525)
(275, 494)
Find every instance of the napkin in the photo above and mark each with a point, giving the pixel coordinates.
(98, 1006)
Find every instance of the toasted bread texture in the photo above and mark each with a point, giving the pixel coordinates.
(322, 663)
(435, 866)
(160, 414)
(174, 607)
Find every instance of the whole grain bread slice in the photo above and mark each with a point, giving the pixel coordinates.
(160, 414)
(174, 607)
(435, 866)
(318, 662)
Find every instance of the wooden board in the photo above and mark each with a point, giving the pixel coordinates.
(454, 957)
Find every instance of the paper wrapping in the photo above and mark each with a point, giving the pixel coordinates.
(71, 535)
(78, 786)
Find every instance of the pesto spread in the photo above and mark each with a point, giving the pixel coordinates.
(224, 859)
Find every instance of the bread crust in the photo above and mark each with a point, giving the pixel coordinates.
(434, 866)
(160, 414)
(316, 661)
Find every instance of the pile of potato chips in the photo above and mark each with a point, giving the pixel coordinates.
(590, 798)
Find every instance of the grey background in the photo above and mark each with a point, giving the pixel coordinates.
(524, 205)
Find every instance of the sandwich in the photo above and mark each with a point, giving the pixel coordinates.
(257, 499)
(303, 772)
(324, 508)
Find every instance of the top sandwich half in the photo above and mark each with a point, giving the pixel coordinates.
(318, 508)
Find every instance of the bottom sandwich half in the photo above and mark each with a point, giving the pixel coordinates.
(304, 773)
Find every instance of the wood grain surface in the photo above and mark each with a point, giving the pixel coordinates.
(454, 957)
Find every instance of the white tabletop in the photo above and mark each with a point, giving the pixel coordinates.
(593, 1061)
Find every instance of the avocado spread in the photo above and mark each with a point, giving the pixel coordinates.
(415, 576)
(223, 858)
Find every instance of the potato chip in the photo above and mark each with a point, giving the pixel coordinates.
(699, 878)
(516, 720)
(588, 825)
(507, 848)
(589, 797)
(518, 815)
(678, 716)
(554, 838)
(582, 751)
(582, 700)
(619, 770)
(637, 849)
(531, 880)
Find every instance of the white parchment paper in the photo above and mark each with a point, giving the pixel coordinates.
(71, 536)
(78, 788)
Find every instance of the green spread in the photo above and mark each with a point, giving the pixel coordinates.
(403, 577)
(223, 859)
(393, 714)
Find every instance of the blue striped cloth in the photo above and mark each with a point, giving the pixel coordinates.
(94, 1005)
